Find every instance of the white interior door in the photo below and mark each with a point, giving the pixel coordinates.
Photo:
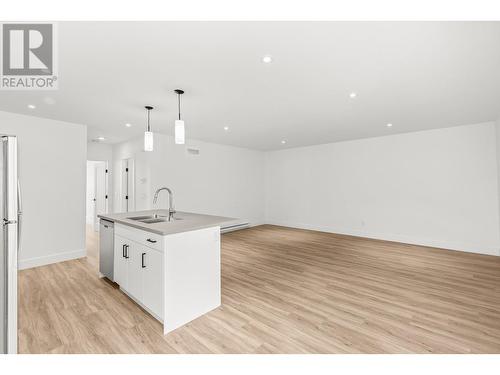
(131, 185)
(100, 192)
(127, 185)
(97, 191)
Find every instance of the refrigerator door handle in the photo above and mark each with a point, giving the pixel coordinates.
(19, 199)
(19, 214)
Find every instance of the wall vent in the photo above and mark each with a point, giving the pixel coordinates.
(193, 151)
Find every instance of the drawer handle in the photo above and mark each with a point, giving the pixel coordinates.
(143, 255)
(150, 240)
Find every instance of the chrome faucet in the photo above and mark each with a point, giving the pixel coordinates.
(171, 209)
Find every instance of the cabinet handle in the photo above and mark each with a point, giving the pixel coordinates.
(143, 265)
(123, 251)
(150, 240)
(126, 253)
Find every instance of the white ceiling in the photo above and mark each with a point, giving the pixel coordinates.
(415, 75)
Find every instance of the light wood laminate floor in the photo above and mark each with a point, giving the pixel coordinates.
(283, 291)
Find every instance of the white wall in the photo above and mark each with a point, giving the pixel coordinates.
(52, 171)
(99, 151)
(221, 180)
(436, 188)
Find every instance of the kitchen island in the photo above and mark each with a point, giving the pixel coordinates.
(170, 266)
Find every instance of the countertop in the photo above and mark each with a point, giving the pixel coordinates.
(187, 221)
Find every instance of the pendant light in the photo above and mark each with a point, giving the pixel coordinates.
(148, 134)
(180, 133)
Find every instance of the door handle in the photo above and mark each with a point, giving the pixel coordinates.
(125, 251)
(150, 240)
(143, 255)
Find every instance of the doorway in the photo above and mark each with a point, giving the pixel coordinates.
(97, 192)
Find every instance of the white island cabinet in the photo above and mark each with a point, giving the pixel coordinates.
(139, 271)
(171, 269)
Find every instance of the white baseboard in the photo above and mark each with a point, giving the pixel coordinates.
(245, 226)
(49, 259)
(478, 248)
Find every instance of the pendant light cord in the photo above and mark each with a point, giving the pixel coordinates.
(149, 126)
(179, 103)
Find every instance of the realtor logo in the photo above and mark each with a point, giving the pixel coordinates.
(28, 57)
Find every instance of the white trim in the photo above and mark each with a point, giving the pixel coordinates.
(53, 258)
(478, 248)
(242, 225)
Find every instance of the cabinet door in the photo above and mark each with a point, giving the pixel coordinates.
(152, 272)
(120, 262)
(134, 287)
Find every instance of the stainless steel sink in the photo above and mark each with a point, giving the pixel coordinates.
(152, 219)
(147, 217)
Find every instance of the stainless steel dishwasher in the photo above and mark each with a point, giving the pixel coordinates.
(106, 248)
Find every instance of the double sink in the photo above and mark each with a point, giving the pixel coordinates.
(152, 219)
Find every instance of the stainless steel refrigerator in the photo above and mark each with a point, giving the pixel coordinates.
(10, 208)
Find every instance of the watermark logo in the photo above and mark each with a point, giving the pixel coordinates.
(29, 59)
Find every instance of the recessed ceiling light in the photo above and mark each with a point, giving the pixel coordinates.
(101, 138)
(389, 125)
(283, 142)
(31, 106)
(226, 128)
(267, 59)
(353, 95)
(128, 125)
